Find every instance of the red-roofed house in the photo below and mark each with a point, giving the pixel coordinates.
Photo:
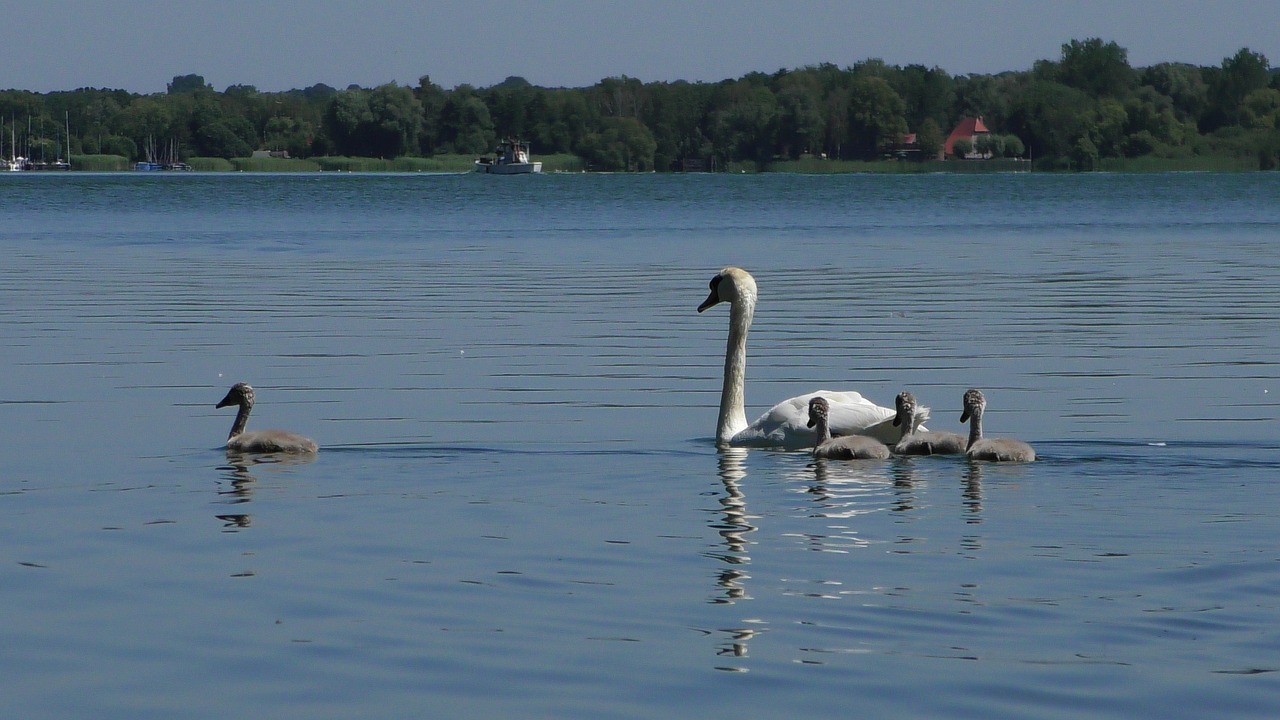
(906, 146)
(970, 129)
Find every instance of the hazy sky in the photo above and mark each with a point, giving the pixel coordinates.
(140, 45)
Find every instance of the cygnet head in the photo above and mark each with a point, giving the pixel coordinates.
(730, 285)
(974, 404)
(239, 394)
(906, 404)
(818, 409)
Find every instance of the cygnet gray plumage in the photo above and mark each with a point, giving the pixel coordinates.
(995, 449)
(922, 442)
(260, 441)
(848, 447)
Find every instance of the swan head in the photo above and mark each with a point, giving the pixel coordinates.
(239, 394)
(974, 404)
(818, 410)
(906, 405)
(731, 285)
(910, 414)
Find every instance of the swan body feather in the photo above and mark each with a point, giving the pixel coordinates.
(785, 424)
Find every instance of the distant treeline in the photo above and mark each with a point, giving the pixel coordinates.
(1078, 112)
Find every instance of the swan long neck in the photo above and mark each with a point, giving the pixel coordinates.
(242, 417)
(909, 424)
(821, 431)
(733, 412)
(975, 426)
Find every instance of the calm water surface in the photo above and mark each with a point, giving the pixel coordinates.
(518, 509)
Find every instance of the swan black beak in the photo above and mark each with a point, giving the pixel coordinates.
(964, 415)
(712, 299)
(228, 400)
(896, 421)
(810, 423)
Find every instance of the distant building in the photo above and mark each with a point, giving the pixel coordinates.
(271, 154)
(907, 147)
(969, 129)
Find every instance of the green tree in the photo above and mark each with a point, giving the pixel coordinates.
(1050, 117)
(930, 140)
(118, 145)
(186, 84)
(1084, 155)
(800, 121)
(221, 139)
(1242, 74)
(1013, 147)
(383, 122)
(619, 97)
(875, 117)
(745, 126)
(926, 93)
(432, 98)
(677, 111)
(961, 148)
(1261, 109)
(465, 124)
(1151, 112)
(296, 136)
(1108, 128)
(1099, 69)
(396, 119)
(1183, 84)
(510, 105)
(989, 145)
(836, 117)
(347, 113)
(622, 143)
(983, 96)
(147, 122)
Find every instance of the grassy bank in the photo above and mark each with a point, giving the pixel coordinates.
(99, 163)
(1152, 164)
(437, 163)
(573, 163)
(816, 166)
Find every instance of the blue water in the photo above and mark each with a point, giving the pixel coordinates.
(518, 508)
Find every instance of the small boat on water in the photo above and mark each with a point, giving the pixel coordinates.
(512, 159)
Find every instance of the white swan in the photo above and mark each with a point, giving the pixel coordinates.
(785, 424)
(260, 441)
(922, 442)
(848, 447)
(997, 449)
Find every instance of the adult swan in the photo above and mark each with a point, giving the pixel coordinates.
(785, 424)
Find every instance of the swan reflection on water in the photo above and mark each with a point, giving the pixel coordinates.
(733, 526)
(973, 493)
(847, 489)
(237, 483)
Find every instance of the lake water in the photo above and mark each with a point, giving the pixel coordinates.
(518, 509)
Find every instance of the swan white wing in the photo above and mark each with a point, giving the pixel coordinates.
(785, 424)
